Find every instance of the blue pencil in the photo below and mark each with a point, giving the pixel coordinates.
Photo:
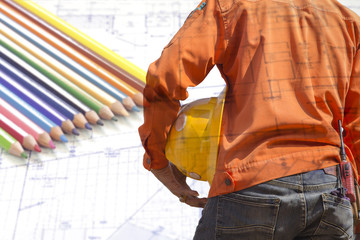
(42, 93)
(38, 118)
(44, 108)
(70, 63)
(37, 77)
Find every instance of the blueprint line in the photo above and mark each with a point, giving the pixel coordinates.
(22, 194)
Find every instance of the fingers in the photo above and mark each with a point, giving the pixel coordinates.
(193, 201)
(189, 192)
(175, 181)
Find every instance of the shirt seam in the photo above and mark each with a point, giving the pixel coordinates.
(225, 24)
(310, 5)
(255, 163)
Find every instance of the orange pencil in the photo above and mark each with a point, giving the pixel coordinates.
(78, 80)
(73, 50)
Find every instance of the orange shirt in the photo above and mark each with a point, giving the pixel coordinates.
(292, 68)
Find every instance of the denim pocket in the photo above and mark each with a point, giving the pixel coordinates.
(246, 217)
(337, 218)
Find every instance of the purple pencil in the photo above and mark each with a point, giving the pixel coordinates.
(36, 76)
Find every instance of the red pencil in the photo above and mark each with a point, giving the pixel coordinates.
(42, 137)
(19, 134)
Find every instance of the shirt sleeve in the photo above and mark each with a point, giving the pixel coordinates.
(352, 113)
(183, 63)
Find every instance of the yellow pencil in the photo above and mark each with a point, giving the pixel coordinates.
(84, 39)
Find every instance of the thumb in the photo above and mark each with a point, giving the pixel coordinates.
(192, 193)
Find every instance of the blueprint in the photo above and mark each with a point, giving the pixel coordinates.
(94, 187)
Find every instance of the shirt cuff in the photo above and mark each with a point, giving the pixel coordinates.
(149, 163)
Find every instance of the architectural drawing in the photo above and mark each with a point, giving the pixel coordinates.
(94, 187)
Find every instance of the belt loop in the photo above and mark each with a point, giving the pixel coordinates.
(338, 173)
(333, 170)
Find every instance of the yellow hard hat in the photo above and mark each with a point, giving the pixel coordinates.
(193, 140)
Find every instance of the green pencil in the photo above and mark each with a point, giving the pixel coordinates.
(103, 110)
(11, 145)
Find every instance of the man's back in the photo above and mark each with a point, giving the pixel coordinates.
(289, 68)
(292, 69)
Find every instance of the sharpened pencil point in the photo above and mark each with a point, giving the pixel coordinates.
(87, 126)
(75, 132)
(24, 155)
(37, 148)
(99, 122)
(52, 145)
(135, 109)
(63, 138)
(114, 119)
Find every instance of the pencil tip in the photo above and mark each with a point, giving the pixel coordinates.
(87, 126)
(24, 155)
(99, 122)
(75, 132)
(52, 145)
(114, 119)
(37, 148)
(63, 138)
(135, 109)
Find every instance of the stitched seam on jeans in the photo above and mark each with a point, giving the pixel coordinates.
(217, 234)
(276, 203)
(276, 219)
(323, 196)
(320, 187)
(337, 227)
(331, 199)
(298, 187)
(303, 202)
(228, 229)
(287, 185)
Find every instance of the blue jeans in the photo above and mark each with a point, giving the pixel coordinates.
(297, 207)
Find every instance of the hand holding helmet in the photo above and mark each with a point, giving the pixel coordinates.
(175, 181)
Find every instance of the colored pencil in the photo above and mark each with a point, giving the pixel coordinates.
(103, 111)
(83, 39)
(53, 88)
(42, 137)
(11, 145)
(48, 111)
(67, 73)
(74, 50)
(42, 93)
(46, 124)
(19, 134)
(69, 62)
